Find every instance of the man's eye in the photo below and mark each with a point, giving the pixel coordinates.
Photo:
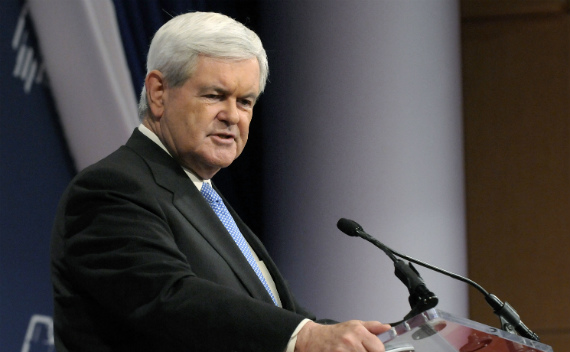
(246, 102)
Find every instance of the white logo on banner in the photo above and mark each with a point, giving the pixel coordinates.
(39, 336)
(28, 67)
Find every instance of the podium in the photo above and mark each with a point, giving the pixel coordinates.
(437, 331)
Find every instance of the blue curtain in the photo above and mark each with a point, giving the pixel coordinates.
(36, 168)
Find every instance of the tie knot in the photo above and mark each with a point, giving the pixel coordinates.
(209, 193)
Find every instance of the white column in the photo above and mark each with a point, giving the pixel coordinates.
(363, 120)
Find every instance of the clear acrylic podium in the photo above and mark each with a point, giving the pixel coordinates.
(438, 331)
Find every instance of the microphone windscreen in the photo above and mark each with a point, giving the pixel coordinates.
(349, 227)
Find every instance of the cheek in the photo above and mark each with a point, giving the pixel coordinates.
(244, 127)
(244, 135)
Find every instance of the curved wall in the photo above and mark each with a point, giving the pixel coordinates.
(364, 121)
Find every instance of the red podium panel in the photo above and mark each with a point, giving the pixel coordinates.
(437, 331)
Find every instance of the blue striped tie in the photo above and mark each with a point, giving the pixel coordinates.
(222, 212)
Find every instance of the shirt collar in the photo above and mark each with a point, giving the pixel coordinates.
(198, 182)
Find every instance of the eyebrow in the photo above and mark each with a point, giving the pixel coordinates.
(224, 91)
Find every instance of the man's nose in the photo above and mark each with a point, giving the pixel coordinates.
(230, 112)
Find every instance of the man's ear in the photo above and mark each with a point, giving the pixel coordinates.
(155, 91)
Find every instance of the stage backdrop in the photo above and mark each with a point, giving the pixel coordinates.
(80, 60)
(35, 170)
(361, 119)
(365, 123)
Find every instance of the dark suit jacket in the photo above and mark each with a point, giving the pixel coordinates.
(140, 262)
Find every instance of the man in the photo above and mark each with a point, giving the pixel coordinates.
(145, 254)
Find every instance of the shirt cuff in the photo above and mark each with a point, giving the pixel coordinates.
(293, 339)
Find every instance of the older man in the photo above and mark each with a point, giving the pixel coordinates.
(146, 255)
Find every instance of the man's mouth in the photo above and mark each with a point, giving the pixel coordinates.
(224, 136)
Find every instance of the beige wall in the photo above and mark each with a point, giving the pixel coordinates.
(516, 84)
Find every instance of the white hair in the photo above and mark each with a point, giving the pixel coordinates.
(176, 46)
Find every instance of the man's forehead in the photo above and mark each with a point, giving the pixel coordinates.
(216, 73)
(206, 60)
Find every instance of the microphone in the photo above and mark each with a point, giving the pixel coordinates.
(420, 298)
(353, 229)
(510, 320)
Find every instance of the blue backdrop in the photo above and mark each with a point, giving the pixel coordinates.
(35, 169)
(36, 166)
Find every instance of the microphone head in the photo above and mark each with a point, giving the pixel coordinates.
(349, 227)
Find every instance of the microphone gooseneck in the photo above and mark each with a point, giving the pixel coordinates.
(353, 229)
(420, 298)
(510, 320)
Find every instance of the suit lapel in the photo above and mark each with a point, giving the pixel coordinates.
(259, 248)
(188, 200)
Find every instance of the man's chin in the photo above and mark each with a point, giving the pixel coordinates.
(220, 163)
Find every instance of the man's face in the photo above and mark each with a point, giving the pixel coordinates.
(205, 122)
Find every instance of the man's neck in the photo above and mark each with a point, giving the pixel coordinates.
(197, 180)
